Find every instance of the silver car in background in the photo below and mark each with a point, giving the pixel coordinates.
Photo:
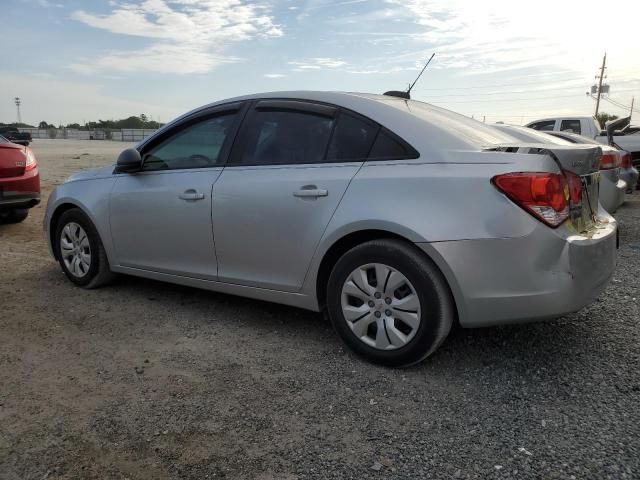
(612, 188)
(627, 172)
(396, 217)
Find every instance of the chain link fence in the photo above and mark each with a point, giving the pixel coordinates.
(118, 135)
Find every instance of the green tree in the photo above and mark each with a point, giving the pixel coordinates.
(603, 118)
(43, 125)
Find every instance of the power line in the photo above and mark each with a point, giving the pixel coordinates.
(509, 99)
(619, 104)
(501, 85)
(503, 93)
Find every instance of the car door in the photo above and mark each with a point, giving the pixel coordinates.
(544, 125)
(161, 216)
(290, 166)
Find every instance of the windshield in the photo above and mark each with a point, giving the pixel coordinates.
(3, 140)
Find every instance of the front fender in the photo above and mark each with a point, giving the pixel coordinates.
(90, 196)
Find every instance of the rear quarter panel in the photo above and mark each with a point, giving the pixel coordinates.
(428, 202)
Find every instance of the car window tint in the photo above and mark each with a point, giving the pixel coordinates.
(352, 138)
(572, 126)
(388, 147)
(546, 125)
(284, 137)
(196, 146)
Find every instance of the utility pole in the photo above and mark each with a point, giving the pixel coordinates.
(631, 111)
(18, 102)
(604, 62)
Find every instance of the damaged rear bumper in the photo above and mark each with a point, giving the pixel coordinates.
(543, 275)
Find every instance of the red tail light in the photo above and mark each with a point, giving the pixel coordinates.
(543, 195)
(30, 163)
(626, 160)
(575, 188)
(609, 161)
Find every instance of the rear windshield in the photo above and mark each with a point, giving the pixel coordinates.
(530, 135)
(471, 130)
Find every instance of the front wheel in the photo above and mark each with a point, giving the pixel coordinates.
(80, 251)
(389, 303)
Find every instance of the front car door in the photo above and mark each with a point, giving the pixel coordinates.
(161, 216)
(290, 166)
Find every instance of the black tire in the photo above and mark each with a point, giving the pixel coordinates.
(436, 302)
(99, 273)
(14, 216)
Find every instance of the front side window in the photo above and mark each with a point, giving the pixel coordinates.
(545, 126)
(572, 126)
(272, 137)
(196, 146)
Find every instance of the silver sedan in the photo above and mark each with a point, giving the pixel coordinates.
(396, 217)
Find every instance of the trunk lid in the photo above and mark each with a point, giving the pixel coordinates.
(582, 160)
(12, 160)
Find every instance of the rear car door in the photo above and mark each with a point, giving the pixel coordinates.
(290, 166)
(161, 217)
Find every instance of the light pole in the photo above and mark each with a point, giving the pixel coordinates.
(18, 102)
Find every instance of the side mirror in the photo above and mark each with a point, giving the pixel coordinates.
(129, 161)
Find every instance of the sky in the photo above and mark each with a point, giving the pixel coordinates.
(500, 60)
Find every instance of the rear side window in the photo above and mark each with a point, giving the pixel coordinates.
(572, 126)
(390, 147)
(352, 138)
(547, 125)
(272, 137)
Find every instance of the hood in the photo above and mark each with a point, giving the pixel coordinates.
(92, 173)
(614, 125)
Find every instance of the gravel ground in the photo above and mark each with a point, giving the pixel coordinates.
(149, 380)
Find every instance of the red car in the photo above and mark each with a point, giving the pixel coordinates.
(19, 181)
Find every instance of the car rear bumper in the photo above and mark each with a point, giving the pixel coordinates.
(540, 276)
(20, 192)
(11, 200)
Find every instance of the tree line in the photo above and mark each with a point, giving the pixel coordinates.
(140, 121)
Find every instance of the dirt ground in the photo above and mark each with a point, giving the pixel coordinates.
(145, 380)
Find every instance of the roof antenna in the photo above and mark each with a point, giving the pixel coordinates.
(407, 95)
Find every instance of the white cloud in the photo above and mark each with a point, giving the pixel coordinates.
(500, 35)
(274, 75)
(187, 36)
(317, 63)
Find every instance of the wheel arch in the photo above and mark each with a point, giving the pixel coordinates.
(352, 239)
(62, 207)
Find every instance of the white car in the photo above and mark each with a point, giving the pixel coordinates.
(626, 137)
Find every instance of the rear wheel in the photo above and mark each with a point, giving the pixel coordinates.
(389, 303)
(14, 216)
(80, 251)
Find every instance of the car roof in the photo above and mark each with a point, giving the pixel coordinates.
(427, 128)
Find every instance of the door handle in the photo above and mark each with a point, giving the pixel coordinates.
(311, 191)
(191, 194)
